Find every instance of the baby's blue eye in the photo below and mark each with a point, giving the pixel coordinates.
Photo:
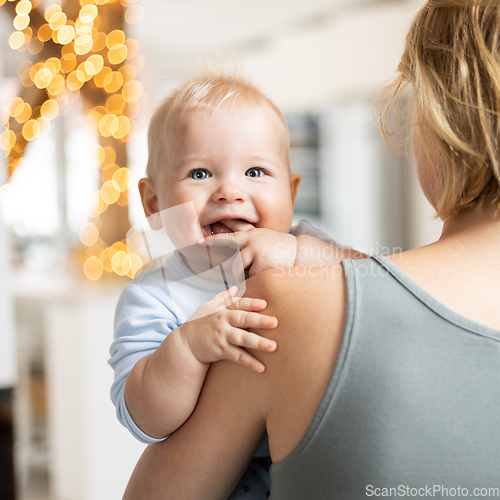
(199, 174)
(254, 172)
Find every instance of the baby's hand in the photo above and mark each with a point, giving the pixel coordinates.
(216, 332)
(260, 248)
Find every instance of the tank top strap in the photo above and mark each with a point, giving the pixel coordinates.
(401, 278)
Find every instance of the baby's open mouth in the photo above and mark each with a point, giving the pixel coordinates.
(220, 228)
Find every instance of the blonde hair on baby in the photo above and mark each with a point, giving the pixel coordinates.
(210, 90)
(451, 66)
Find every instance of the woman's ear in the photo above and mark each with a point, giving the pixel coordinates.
(150, 203)
(294, 184)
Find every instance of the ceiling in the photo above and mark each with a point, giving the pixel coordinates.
(177, 37)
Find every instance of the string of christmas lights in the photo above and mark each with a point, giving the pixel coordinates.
(75, 53)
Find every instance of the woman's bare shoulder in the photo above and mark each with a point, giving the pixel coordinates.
(296, 283)
(310, 307)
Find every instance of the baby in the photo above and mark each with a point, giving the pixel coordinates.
(221, 145)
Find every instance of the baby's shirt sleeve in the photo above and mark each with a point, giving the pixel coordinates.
(306, 228)
(142, 321)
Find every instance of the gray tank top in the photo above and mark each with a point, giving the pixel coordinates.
(413, 404)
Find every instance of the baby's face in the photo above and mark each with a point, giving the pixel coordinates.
(231, 164)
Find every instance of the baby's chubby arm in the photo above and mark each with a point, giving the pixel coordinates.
(162, 388)
(262, 249)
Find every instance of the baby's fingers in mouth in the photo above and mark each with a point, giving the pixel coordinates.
(237, 224)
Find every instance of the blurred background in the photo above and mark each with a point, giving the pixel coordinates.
(79, 81)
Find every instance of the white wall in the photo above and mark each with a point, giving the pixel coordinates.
(351, 180)
(8, 371)
(92, 455)
(349, 56)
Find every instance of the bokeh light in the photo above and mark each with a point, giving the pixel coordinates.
(83, 44)
(66, 34)
(113, 81)
(52, 9)
(117, 54)
(105, 124)
(21, 21)
(110, 192)
(7, 194)
(68, 62)
(49, 109)
(31, 129)
(43, 78)
(56, 85)
(132, 91)
(89, 234)
(120, 127)
(23, 113)
(101, 76)
(16, 40)
(109, 157)
(57, 20)
(115, 104)
(108, 172)
(121, 263)
(44, 33)
(134, 14)
(35, 46)
(93, 268)
(53, 65)
(115, 38)
(88, 13)
(23, 7)
(7, 140)
(94, 64)
(83, 52)
(122, 177)
(99, 40)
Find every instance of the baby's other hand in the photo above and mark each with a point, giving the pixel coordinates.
(261, 248)
(216, 332)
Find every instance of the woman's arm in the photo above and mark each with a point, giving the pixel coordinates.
(205, 458)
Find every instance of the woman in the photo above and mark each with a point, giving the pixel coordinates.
(387, 370)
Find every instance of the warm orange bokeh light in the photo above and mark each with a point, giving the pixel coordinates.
(49, 109)
(93, 268)
(112, 65)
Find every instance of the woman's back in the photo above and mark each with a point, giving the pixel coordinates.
(412, 400)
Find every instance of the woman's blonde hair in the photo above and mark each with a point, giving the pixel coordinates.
(451, 65)
(212, 90)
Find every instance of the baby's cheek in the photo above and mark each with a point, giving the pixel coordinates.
(282, 222)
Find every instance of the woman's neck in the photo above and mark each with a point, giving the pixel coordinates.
(474, 230)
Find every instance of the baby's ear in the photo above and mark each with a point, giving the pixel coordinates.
(150, 203)
(294, 184)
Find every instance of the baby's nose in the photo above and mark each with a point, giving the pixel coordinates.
(229, 192)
